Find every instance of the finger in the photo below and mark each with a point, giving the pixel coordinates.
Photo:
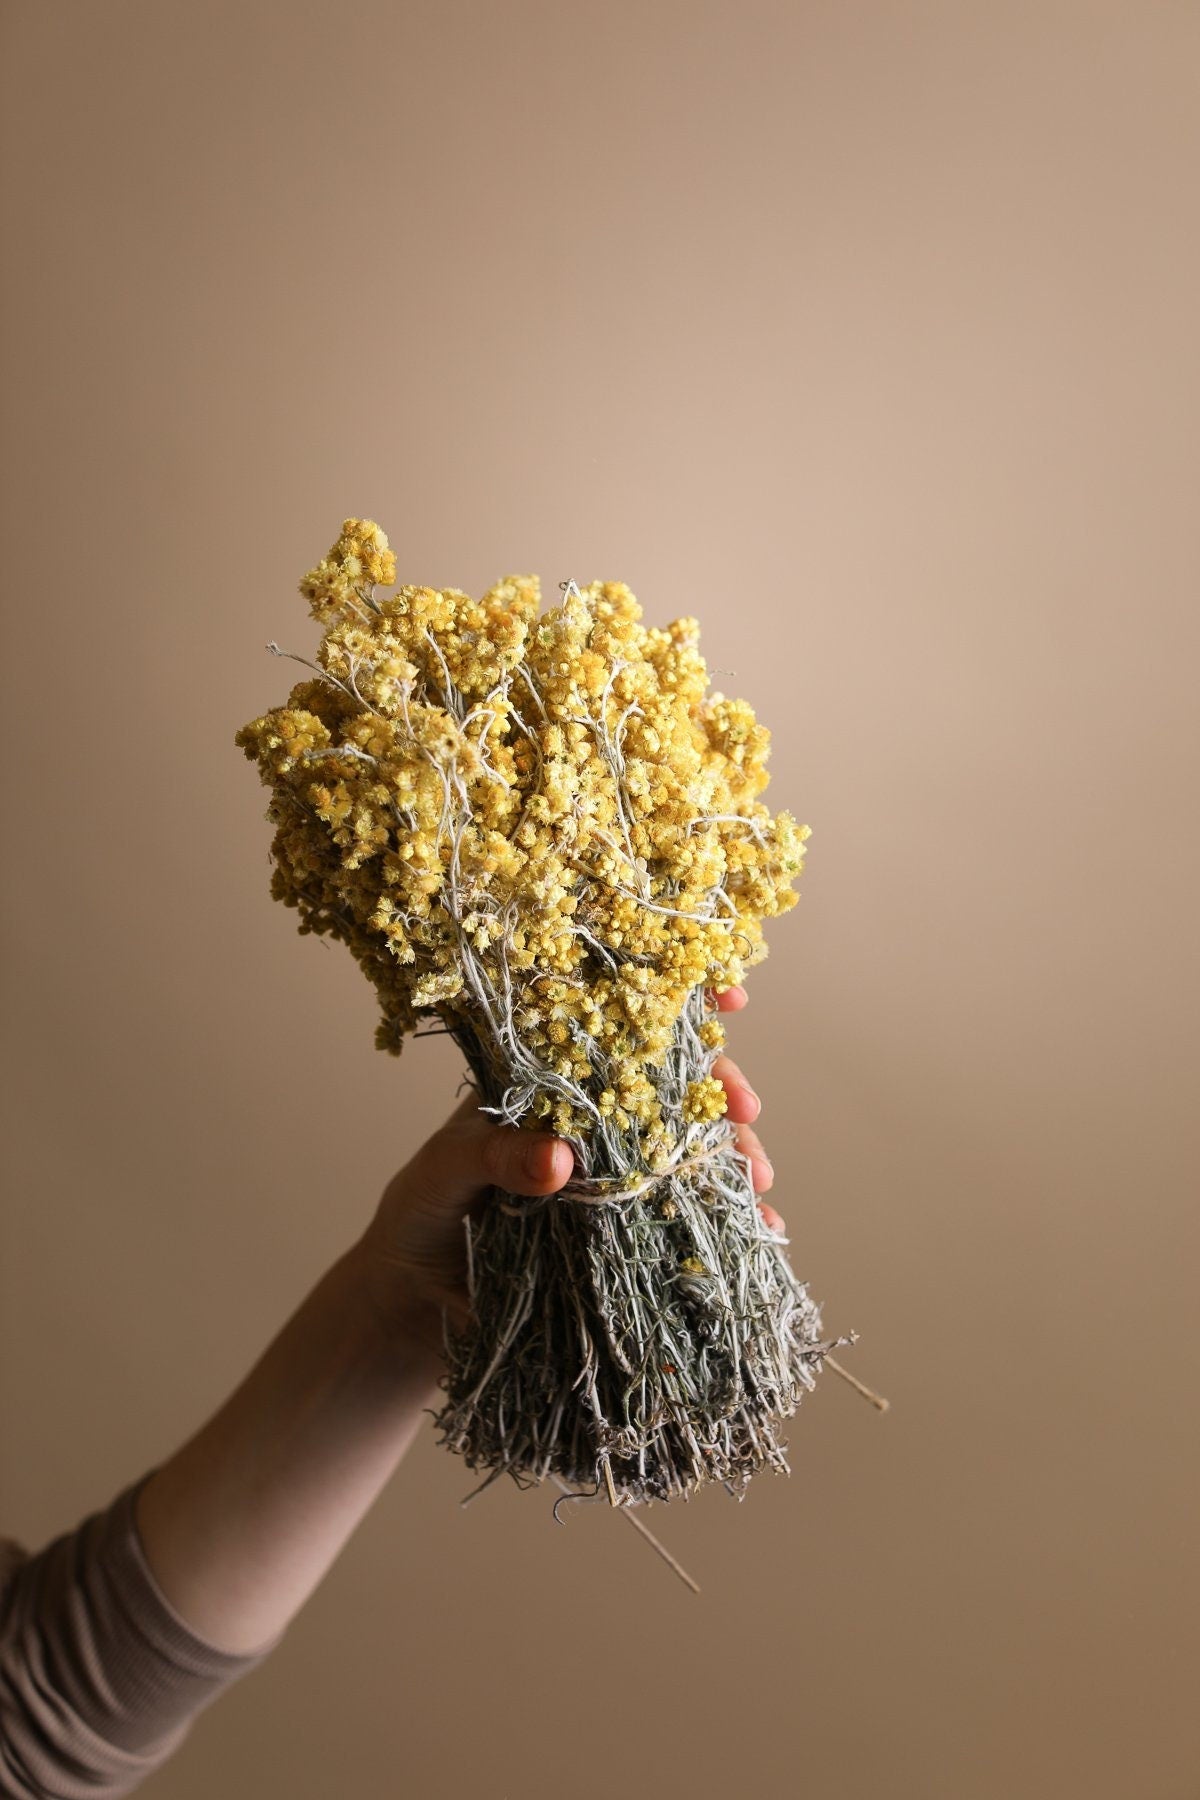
(761, 1172)
(742, 1103)
(732, 1000)
(771, 1219)
(471, 1153)
(524, 1161)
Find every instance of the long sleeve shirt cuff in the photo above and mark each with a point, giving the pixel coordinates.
(100, 1677)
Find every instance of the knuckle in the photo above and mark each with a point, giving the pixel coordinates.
(426, 1169)
(497, 1154)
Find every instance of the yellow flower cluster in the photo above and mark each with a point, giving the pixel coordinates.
(542, 827)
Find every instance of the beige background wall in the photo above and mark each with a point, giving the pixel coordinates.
(869, 334)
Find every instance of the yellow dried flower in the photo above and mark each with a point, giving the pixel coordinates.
(476, 796)
(704, 1099)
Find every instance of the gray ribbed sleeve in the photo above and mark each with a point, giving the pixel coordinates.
(100, 1678)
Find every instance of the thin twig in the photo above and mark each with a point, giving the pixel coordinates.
(662, 1550)
(866, 1392)
(645, 1531)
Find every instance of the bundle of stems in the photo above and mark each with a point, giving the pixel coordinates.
(544, 829)
(644, 1331)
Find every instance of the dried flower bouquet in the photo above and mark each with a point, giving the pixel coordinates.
(546, 830)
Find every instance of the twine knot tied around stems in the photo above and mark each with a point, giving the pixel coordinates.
(615, 1190)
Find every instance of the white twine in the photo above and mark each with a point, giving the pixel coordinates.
(607, 1190)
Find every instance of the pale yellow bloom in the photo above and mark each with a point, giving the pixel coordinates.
(480, 798)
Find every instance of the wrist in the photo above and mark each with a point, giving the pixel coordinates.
(403, 1323)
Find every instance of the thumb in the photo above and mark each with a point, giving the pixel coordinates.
(471, 1153)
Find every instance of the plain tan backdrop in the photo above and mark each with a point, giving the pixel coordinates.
(868, 333)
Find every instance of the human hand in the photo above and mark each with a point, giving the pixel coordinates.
(414, 1253)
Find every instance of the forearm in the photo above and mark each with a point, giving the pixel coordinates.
(242, 1522)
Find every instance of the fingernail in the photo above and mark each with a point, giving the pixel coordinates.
(538, 1159)
(751, 1095)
